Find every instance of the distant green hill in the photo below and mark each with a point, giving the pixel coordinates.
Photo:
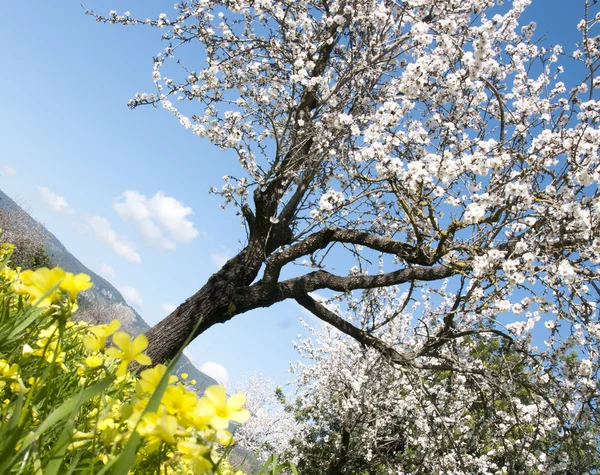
(100, 304)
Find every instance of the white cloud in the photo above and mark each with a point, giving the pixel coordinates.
(156, 216)
(104, 233)
(216, 371)
(106, 271)
(168, 308)
(131, 295)
(56, 203)
(80, 227)
(9, 170)
(219, 258)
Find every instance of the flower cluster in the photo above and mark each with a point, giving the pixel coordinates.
(71, 387)
(48, 286)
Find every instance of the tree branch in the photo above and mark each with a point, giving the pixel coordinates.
(322, 238)
(366, 339)
(322, 312)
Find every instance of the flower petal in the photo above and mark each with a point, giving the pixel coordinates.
(219, 423)
(140, 343)
(122, 369)
(114, 353)
(217, 395)
(236, 402)
(91, 343)
(143, 359)
(240, 416)
(122, 340)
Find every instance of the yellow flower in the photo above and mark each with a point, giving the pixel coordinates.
(48, 346)
(200, 466)
(193, 455)
(73, 284)
(8, 371)
(8, 275)
(109, 430)
(27, 350)
(132, 411)
(180, 402)
(94, 361)
(157, 427)
(149, 379)
(221, 410)
(129, 351)
(224, 437)
(39, 282)
(100, 333)
(6, 248)
(202, 415)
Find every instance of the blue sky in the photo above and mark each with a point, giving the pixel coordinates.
(66, 131)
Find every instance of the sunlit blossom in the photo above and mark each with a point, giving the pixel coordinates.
(128, 351)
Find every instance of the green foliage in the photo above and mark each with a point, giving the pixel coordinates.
(69, 405)
(31, 255)
(29, 250)
(272, 467)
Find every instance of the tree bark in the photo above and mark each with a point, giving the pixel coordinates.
(211, 304)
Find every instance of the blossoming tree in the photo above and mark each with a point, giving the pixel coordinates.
(427, 146)
(357, 413)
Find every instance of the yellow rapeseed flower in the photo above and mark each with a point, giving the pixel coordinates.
(73, 284)
(149, 379)
(129, 351)
(157, 427)
(8, 275)
(221, 410)
(224, 437)
(8, 371)
(94, 361)
(39, 283)
(180, 402)
(97, 340)
(109, 430)
(49, 346)
(194, 456)
(6, 248)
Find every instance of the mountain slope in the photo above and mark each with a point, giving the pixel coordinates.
(100, 304)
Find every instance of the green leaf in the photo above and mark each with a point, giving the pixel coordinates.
(63, 411)
(28, 320)
(60, 446)
(271, 468)
(11, 432)
(268, 463)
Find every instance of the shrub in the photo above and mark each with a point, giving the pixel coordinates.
(17, 229)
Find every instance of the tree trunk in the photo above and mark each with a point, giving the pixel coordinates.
(212, 304)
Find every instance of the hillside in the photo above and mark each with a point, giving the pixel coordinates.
(100, 304)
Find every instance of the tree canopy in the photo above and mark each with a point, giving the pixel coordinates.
(432, 148)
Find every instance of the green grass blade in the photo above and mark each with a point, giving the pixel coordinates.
(265, 467)
(63, 411)
(11, 432)
(60, 446)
